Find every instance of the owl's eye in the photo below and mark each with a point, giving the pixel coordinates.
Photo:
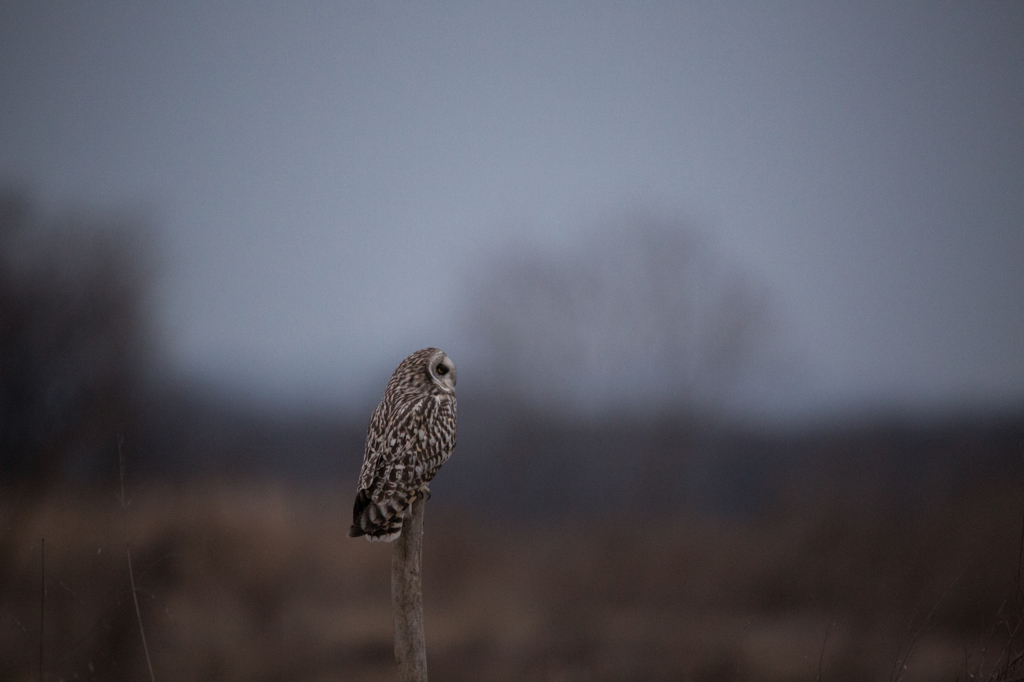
(441, 370)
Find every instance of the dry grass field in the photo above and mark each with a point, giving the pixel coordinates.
(259, 582)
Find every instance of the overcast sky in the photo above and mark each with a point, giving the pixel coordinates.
(327, 178)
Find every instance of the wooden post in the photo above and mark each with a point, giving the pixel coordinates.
(407, 596)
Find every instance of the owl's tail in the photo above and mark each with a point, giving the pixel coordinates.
(377, 521)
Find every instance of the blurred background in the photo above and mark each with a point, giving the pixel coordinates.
(735, 291)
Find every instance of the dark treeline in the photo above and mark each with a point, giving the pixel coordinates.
(519, 466)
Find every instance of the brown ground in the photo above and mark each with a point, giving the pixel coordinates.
(260, 583)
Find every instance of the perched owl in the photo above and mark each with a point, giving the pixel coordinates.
(411, 434)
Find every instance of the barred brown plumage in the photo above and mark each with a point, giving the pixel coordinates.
(411, 434)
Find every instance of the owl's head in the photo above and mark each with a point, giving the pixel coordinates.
(427, 371)
(442, 371)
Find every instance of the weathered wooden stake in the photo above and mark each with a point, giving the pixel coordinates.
(407, 597)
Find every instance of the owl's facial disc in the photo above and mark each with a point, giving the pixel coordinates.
(442, 371)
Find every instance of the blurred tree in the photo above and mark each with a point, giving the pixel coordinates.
(72, 342)
(642, 320)
(596, 369)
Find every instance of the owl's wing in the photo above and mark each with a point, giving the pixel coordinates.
(413, 446)
(374, 445)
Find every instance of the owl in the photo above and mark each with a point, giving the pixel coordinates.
(411, 434)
